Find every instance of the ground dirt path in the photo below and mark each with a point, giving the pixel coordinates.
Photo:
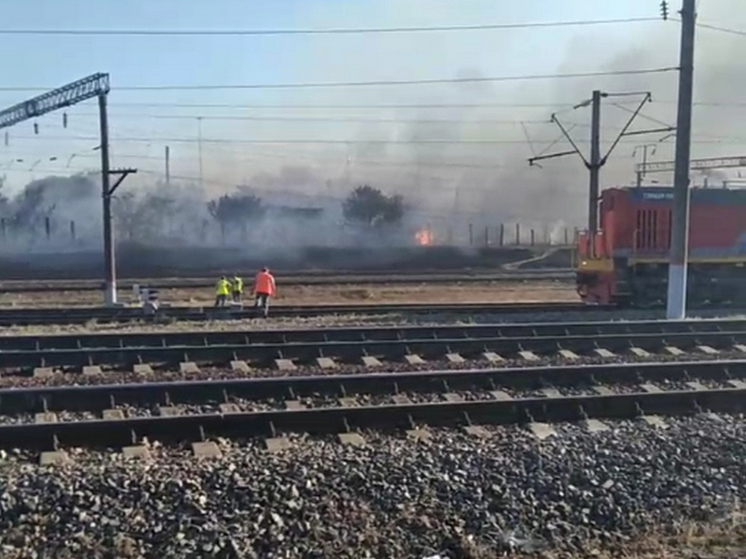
(487, 292)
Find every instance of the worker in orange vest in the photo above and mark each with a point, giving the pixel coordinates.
(264, 288)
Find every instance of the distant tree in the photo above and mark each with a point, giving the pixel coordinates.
(370, 208)
(159, 212)
(134, 218)
(236, 209)
(125, 214)
(40, 198)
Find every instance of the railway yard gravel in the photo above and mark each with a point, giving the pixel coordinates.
(633, 491)
(577, 494)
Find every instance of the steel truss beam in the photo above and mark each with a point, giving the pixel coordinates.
(64, 96)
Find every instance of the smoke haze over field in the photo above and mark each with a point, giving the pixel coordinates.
(454, 165)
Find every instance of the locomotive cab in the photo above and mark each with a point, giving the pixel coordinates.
(626, 261)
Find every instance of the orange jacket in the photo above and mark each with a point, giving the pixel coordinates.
(265, 283)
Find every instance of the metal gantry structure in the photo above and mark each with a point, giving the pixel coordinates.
(703, 164)
(76, 92)
(641, 169)
(95, 85)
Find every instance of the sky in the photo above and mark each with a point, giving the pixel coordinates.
(364, 144)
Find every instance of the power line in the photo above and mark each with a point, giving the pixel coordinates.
(435, 81)
(332, 31)
(358, 163)
(271, 141)
(355, 161)
(289, 141)
(249, 106)
(721, 29)
(317, 119)
(362, 106)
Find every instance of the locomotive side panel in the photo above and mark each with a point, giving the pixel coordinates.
(637, 226)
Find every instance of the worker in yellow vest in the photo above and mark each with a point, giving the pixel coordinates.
(222, 290)
(236, 288)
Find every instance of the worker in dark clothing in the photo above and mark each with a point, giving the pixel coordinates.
(222, 290)
(264, 289)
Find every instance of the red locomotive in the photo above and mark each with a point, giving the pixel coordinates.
(626, 261)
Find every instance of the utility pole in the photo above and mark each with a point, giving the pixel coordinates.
(110, 292)
(110, 282)
(595, 163)
(677, 269)
(168, 166)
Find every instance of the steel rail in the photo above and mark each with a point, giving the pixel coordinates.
(97, 398)
(350, 350)
(467, 332)
(198, 427)
(82, 315)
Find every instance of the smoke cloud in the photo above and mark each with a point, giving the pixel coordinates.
(471, 168)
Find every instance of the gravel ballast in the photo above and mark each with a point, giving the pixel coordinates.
(573, 495)
(351, 321)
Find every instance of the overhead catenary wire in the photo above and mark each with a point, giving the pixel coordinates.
(644, 116)
(251, 106)
(387, 106)
(376, 83)
(357, 162)
(317, 119)
(276, 141)
(329, 31)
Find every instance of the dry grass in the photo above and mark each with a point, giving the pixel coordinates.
(486, 292)
(722, 540)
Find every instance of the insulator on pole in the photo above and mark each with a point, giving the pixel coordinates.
(664, 10)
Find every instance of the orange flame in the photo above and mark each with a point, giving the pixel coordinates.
(424, 237)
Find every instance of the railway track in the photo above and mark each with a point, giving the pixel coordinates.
(305, 279)
(534, 396)
(329, 347)
(83, 315)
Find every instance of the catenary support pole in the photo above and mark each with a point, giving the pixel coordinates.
(677, 270)
(199, 151)
(168, 165)
(595, 162)
(641, 170)
(110, 285)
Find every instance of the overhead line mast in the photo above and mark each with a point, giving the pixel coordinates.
(95, 85)
(597, 160)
